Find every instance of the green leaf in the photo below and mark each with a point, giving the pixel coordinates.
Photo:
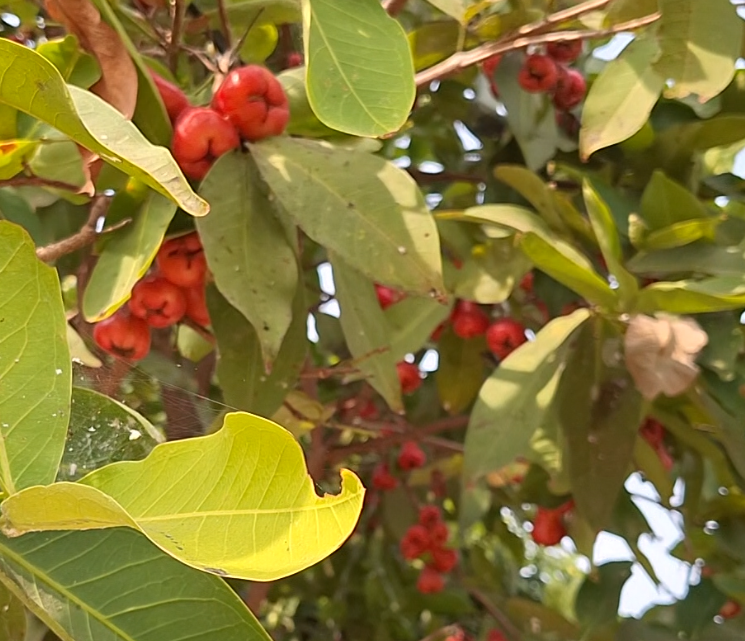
(360, 75)
(126, 256)
(236, 503)
(530, 116)
(699, 607)
(116, 585)
(700, 42)
(726, 341)
(240, 365)
(600, 411)
(666, 202)
(514, 400)
(599, 597)
(461, 370)
(456, 9)
(364, 209)
(366, 331)
(566, 265)
(247, 249)
(433, 42)
(303, 122)
(693, 296)
(14, 155)
(621, 97)
(103, 431)
(679, 234)
(13, 619)
(411, 322)
(76, 67)
(36, 371)
(701, 258)
(91, 122)
(609, 241)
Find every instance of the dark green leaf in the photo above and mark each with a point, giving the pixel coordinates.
(460, 372)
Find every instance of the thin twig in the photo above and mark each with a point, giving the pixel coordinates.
(178, 10)
(539, 26)
(394, 7)
(86, 236)
(500, 617)
(459, 61)
(36, 181)
(222, 12)
(424, 178)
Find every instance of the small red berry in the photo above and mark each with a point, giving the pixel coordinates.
(469, 320)
(653, 432)
(181, 260)
(382, 478)
(415, 542)
(254, 101)
(444, 559)
(489, 66)
(123, 335)
(387, 296)
(437, 334)
(504, 336)
(368, 411)
(438, 535)
(411, 456)
(538, 74)
(570, 89)
(495, 635)
(196, 305)
(294, 59)
(527, 282)
(174, 100)
(548, 527)
(200, 137)
(157, 301)
(430, 581)
(429, 516)
(408, 375)
(564, 51)
(730, 609)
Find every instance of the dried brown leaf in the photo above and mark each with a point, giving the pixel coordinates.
(118, 83)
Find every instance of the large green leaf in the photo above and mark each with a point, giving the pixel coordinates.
(360, 75)
(126, 256)
(411, 322)
(701, 258)
(514, 400)
(103, 431)
(693, 296)
(621, 98)
(366, 331)
(361, 207)
(600, 411)
(460, 372)
(700, 42)
(600, 594)
(13, 618)
(240, 365)
(114, 585)
(35, 366)
(666, 202)
(90, 122)
(247, 249)
(237, 503)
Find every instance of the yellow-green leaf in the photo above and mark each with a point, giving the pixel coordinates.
(237, 503)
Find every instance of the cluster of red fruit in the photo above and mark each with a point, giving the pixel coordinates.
(250, 104)
(428, 539)
(548, 73)
(549, 525)
(410, 457)
(173, 291)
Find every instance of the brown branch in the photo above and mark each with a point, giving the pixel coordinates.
(86, 236)
(394, 7)
(500, 617)
(459, 61)
(222, 12)
(178, 10)
(424, 178)
(552, 19)
(36, 181)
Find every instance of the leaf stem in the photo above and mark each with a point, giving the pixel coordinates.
(222, 12)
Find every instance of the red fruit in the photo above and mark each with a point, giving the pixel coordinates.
(495, 635)
(730, 609)
(174, 99)
(157, 301)
(468, 319)
(388, 296)
(294, 59)
(504, 336)
(430, 581)
(570, 89)
(566, 51)
(201, 136)
(438, 535)
(548, 527)
(444, 559)
(368, 411)
(653, 432)
(527, 282)
(429, 516)
(438, 332)
(538, 74)
(181, 260)
(254, 101)
(196, 305)
(490, 66)
(383, 479)
(408, 375)
(415, 542)
(123, 335)
(411, 456)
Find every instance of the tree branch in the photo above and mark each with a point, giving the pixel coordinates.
(497, 614)
(222, 12)
(86, 236)
(178, 10)
(459, 61)
(36, 181)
